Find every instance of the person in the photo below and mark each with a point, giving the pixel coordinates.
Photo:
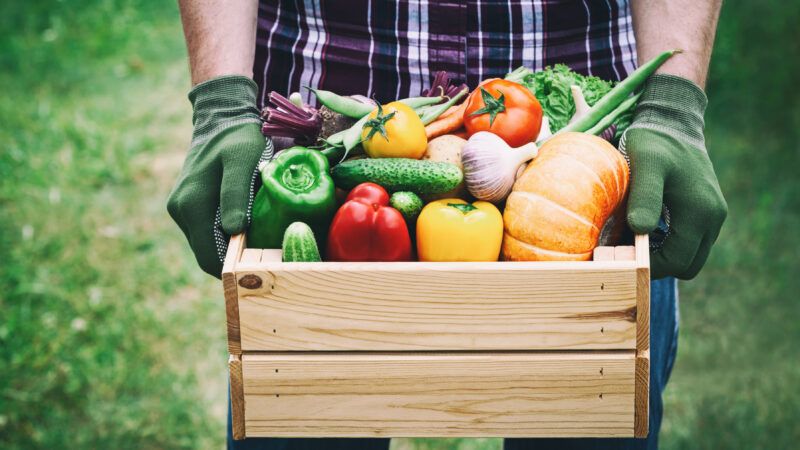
(389, 49)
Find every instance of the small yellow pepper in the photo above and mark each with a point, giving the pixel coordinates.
(454, 230)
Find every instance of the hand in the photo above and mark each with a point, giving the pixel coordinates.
(219, 170)
(670, 166)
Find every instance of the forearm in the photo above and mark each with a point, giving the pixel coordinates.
(220, 37)
(689, 25)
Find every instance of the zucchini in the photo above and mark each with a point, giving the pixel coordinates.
(398, 174)
(299, 244)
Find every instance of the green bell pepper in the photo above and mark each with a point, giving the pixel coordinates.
(296, 187)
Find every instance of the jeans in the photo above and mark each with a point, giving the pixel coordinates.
(663, 348)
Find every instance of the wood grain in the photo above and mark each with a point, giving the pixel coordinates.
(642, 293)
(641, 422)
(235, 249)
(237, 397)
(272, 255)
(438, 306)
(251, 256)
(624, 253)
(642, 245)
(642, 401)
(234, 254)
(440, 394)
(337, 320)
(603, 253)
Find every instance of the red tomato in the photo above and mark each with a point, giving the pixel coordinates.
(506, 109)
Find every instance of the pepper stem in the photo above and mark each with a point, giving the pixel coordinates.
(297, 177)
(463, 207)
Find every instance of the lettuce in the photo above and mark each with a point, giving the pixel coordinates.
(552, 88)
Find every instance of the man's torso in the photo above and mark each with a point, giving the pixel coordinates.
(391, 49)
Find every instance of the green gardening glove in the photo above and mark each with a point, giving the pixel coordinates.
(671, 172)
(213, 193)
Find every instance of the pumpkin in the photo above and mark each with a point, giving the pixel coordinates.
(561, 201)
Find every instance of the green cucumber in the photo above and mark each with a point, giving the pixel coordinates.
(398, 174)
(299, 244)
(408, 203)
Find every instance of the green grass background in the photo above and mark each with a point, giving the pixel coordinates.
(111, 338)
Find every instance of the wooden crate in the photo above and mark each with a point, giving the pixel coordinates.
(517, 349)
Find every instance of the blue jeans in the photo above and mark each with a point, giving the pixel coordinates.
(663, 348)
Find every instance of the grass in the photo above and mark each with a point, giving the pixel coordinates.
(110, 337)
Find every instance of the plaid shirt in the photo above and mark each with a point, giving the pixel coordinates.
(391, 48)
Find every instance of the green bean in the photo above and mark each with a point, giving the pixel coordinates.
(336, 138)
(352, 136)
(618, 94)
(343, 105)
(606, 121)
(419, 102)
(423, 110)
(334, 153)
(434, 112)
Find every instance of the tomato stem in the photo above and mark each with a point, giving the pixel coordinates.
(378, 124)
(492, 106)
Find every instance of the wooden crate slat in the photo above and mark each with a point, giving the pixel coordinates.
(440, 394)
(251, 256)
(603, 253)
(439, 306)
(271, 255)
(624, 253)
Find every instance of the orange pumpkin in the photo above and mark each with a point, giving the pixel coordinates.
(562, 200)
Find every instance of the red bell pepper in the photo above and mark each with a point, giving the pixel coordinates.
(366, 229)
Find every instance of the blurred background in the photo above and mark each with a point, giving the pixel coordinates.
(110, 337)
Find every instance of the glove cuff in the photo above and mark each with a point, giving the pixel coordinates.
(221, 102)
(674, 105)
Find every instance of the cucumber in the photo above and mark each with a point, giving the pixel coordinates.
(408, 203)
(398, 174)
(299, 244)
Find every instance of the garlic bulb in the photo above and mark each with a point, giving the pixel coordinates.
(490, 165)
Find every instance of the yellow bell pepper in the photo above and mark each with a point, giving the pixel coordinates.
(454, 230)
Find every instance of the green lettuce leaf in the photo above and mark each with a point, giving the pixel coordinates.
(552, 88)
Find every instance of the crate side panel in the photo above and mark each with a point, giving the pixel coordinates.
(235, 248)
(440, 395)
(642, 293)
(642, 400)
(236, 397)
(394, 309)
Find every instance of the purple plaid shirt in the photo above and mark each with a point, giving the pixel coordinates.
(391, 48)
